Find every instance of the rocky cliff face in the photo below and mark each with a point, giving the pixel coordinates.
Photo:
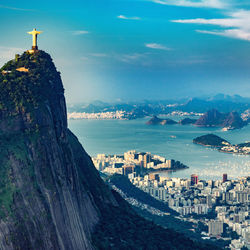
(49, 190)
(51, 196)
(234, 120)
(213, 118)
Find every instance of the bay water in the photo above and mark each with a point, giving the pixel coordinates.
(170, 141)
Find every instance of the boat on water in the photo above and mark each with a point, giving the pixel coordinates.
(173, 136)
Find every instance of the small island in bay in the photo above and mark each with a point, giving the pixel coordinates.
(211, 140)
(187, 121)
(158, 121)
(222, 145)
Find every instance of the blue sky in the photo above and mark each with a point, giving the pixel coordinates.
(136, 49)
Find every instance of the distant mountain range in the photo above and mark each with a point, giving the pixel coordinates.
(233, 98)
(221, 102)
(223, 105)
(212, 118)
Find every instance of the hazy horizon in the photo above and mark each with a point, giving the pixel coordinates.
(136, 50)
(173, 99)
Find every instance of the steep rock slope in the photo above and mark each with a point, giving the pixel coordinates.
(213, 118)
(51, 196)
(234, 120)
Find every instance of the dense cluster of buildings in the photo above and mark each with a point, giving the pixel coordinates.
(228, 148)
(182, 195)
(183, 113)
(120, 115)
(228, 200)
(246, 115)
(133, 161)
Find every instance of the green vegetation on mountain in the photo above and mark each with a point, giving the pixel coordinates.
(124, 229)
(13, 146)
(210, 140)
(222, 145)
(51, 195)
(168, 221)
(123, 183)
(24, 91)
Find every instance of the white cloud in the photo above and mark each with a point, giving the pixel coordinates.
(237, 24)
(221, 22)
(236, 19)
(79, 32)
(128, 18)
(233, 33)
(156, 46)
(217, 4)
(14, 8)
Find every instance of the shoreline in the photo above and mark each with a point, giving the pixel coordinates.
(220, 150)
(235, 153)
(211, 146)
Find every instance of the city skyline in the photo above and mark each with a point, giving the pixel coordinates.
(220, 206)
(135, 50)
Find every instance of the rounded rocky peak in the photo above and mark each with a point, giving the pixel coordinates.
(30, 87)
(28, 80)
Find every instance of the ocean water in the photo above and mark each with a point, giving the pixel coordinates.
(172, 142)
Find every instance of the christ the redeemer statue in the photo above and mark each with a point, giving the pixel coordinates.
(34, 34)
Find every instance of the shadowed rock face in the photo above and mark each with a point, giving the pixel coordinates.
(211, 118)
(214, 118)
(187, 121)
(50, 192)
(234, 120)
(51, 195)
